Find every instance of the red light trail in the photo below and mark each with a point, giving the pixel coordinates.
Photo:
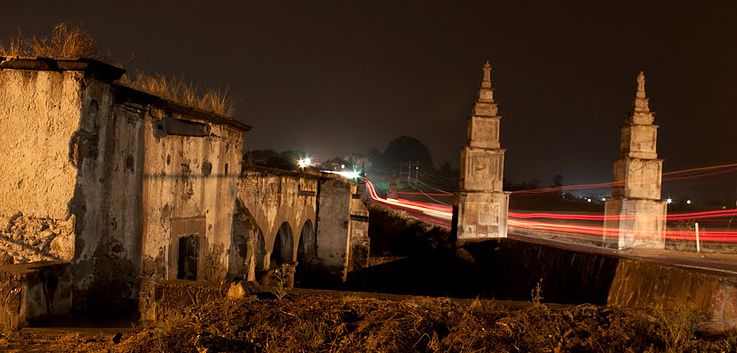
(442, 214)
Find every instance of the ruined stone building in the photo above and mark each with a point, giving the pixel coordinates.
(107, 192)
(635, 215)
(480, 205)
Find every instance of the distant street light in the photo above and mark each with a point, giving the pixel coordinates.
(305, 162)
(669, 201)
(688, 202)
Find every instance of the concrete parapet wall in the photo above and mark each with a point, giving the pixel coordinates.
(641, 284)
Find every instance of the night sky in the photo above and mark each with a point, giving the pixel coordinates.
(335, 77)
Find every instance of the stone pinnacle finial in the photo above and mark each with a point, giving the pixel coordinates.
(641, 101)
(485, 105)
(486, 81)
(641, 85)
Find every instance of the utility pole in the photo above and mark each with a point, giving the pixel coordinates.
(409, 171)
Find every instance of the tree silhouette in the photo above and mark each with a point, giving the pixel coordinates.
(405, 149)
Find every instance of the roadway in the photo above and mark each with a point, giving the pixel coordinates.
(714, 263)
(584, 242)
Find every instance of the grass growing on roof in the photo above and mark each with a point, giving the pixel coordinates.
(179, 90)
(65, 41)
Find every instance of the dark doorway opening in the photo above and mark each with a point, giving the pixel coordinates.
(189, 249)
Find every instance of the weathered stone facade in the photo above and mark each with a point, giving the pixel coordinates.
(635, 214)
(480, 210)
(130, 190)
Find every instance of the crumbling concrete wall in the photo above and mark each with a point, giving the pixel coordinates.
(190, 187)
(105, 176)
(124, 185)
(334, 226)
(39, 113)
(70, 187)
(107, 150)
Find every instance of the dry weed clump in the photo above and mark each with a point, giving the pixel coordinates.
(678, 321)
(66, 41)
(179, 90)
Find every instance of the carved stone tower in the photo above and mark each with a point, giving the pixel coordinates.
(635, 214)
(480, 205)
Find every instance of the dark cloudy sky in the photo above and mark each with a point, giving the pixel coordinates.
(334, 77)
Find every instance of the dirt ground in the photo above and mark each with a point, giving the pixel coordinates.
(302, 322)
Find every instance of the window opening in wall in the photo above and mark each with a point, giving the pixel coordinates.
(189, 248)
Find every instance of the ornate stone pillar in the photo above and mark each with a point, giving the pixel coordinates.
(480, 205)
(635, 214)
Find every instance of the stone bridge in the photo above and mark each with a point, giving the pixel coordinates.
(107, 191)
(275, 222)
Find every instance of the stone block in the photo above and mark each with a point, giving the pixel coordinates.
(236, 290)
(639, 141)
(483, 132)
(638, 178)
(481, 169)
(481, 215)
(485, 109)
(635, 223)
